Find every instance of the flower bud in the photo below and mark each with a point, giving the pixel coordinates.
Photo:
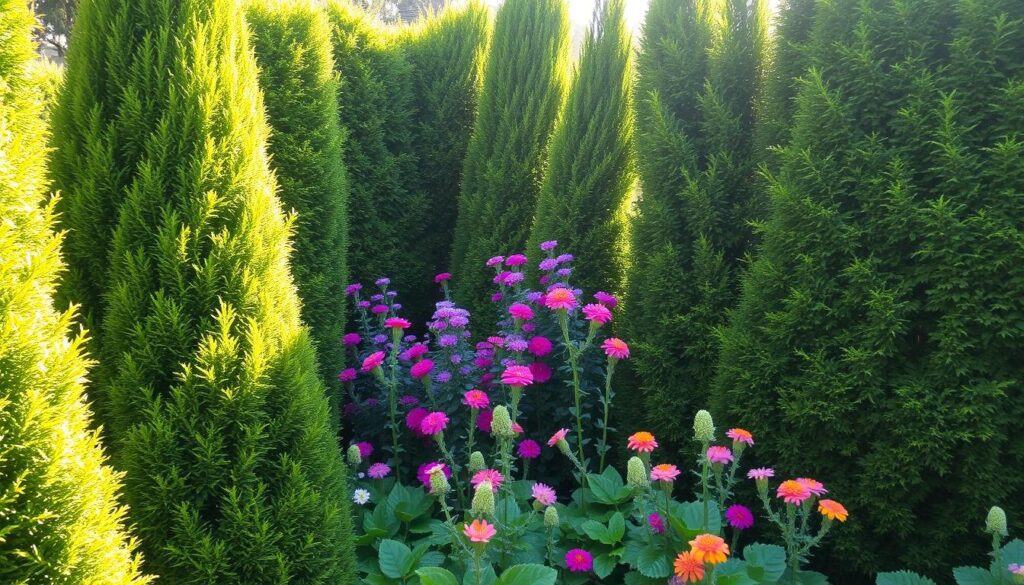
(995, 523)
(476, 462)
(551, 517)
(483, 500)
(355, 458)
(563, 446)
(703, 427)
(501, 423)
(438, 482)
(636, 473)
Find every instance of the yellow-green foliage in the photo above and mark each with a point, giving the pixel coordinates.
(60, 522)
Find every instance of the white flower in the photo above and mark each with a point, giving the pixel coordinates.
(361, 496)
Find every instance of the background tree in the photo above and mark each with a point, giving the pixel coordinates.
(207, 380)
(875, 344)
(56, 18)
(523, 87)
(589, 175)
(59, 515)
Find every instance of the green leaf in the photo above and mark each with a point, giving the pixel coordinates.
(765, 562)
(734, 579)
(607, 488)
(1013, 552)
(610, 534)
(528, 575)
(436, 576)
(692, 515)
(902, 578)
(634, 578)
(653, 562)
(393, 557)
(973, 576)
(408, 503)
(433, 559)
(806, 578)
(604, 565)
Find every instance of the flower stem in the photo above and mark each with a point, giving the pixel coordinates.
(607, 405)
(705, 464)
(439, 437)
(563, 319)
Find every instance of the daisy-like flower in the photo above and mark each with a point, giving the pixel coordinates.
(793, 492)
(739, 516)
(688, 567)
(516, 260)
(539, 346)
(832, 510)
(717, 454)
(559, 436)
(476, 399)
(374, 360)
(408, 400)
(541, 372)
(433, 423)
(597, 314)
(397, 323)
(379, 309)
(548, 264)
(664, 472)
(491, 476)
(708, 548)
(615, 348)
(517, 376)
(579, 560)
(365, 449)
(528, 449)
(347, 375)
(443, 277)
(352, 289)
(479, 531)
(414, 352)
(815, 487)
(350, 339)
(379, 470)
(361, 496)
(642, 442)
(560, 298)
(421, 369)
(544, 494)
(520, 311)
(761, 473)
(548, 245)
(606, 299)
(494, 261)
(740, 436)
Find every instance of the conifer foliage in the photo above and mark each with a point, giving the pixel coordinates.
(697, 71)
(293, 50)
(877, 338)
(59, 518)
(208, 379)
(523, 88)
(589, 173)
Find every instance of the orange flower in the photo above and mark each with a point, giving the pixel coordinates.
(688, 568)
(793, 492)
(642, 441)
(708, 548)
(832, 510)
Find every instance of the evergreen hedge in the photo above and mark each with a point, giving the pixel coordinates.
(697, 72)
(59, 517)
(523, 88)
(876, 345)
(590, 174)
(292, 44)
(209, 380)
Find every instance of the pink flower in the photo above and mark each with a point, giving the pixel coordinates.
(421, 369)
(657, 523)
(414, 352)
(483, 421)
(541, 372)
(352, 289)
(496, 340)
(544, 494)
(490, 475)
(717, 454)
(793, 492)
(397, 323)
(520, 311)
(739, 516)
(539, 346)
(815, 487)
(443, 277)
(433, 423)
(517, 376)
(378, 470)
(414, 418)
(515, 260)
(579, 560)
(423, 472)
(606, 299)
(517, 428)
(494, 261)
(528, 449)
(560, 298)
(761, 473)
(347, 375)
(559, 436)
(664, 472)
(351, 339)
(598, 314)
(740, 436)
(479, 531)
(365, 449)
(374, 360)
(379, 309)
(476, 399)
(615, 348)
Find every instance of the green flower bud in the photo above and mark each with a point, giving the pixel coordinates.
(501, 423)
(563, 446)
(438, 482)
(354, 457)
(551, 517)
(483, 500)
(995, 523)
(476, 462)
(636, 473)
(703, 427)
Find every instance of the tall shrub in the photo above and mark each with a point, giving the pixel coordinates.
(292, 43)
(697, 69)
(212, 402)
(523, 88)
(59, 515)
(589, 174)
(877, 338)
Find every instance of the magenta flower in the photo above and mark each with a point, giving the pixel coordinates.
(496, 297)
(415, 418)
(517, 376)
(579, 560)
(423, 472)
(374, 360)
(596, 313)
(476, 399)
(352, 289)
(496, 340)
(657, 523)
(539, 346)
(761, 473)
(379, 309)
(560, 298)
(491, 475)
(494, 261)
(815, 487)
(351, 339)
(434, 423)
(365, 449)
(548, 245)
(717, 454)
(544, 494)
(528, 449)
(378, 470)
(483, 421)
(615, 348)
(421, 369)
(520, 311)
(397, 323)
(408, 400)
(606, 299)
(559, 436)
(515, 260)
(443, 277)
(739, 517)
(347, 375)
(541, 372)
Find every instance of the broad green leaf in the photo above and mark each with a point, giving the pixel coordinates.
(528, 575)
(433, 559)
(616, 528)
(608, 489)
(634, 578)
(604, 565)
(393, 557)
(377, 579)
(734, 579)
(765, 562)
(902, 578)
(973, 576)
(436, 576)
(692, 515)
(653, 562)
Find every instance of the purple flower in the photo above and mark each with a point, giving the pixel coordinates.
(465, 370)
(352, 289)
(380, 338)
(496, 297)
(564, 272)
(534, 296)
(565, 258)
(657, 523)
(739, 517)
(548, 245)
(458, 321)
(495, 260)
(515, 260)
(408, 400)
(548, 264)
(515, 344)
(514, 278)
(447, 340)
(443, 377)
(383, 281)
(363, 304)
(392, 294)
(456, 358)
(379, 309)
(377, 297)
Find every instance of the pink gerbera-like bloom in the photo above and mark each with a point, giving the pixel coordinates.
(739, 517)
(483, 421)
(397, 323)
(516, 260)
(365, 449)
(598, 314)
(443, 277)
(664, 472)
(421, 369)
(479, 531)
(642, 442)
(520, 311)
(423, 472)
(539, 346)
(717, 454)
(517, 376)
(374, 360)
(815, 487)
(433, 423)
(579, 560)
(490, 475)
(347, 375)
(559, 436)
(740, 436)
(378, 470)
(476, 399)
(494, 261)
(541, 372)
(528, 449)
(793, 492)
(350, 339)
(615, 348)
(544, 494)
(761, 473)
(606, 299)
(560, 298)
(657, 523)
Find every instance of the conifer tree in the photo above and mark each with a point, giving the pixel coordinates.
(293, 50)
(207, 378)
(698, 69)
(59, 517)
(589, 172)
(876, 343)
(523, 88)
